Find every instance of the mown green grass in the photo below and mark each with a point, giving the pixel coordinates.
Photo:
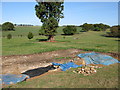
(106, 77)
(24, 30)
(20, 30)
(91, 40)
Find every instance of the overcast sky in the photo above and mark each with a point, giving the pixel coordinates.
(75, 13)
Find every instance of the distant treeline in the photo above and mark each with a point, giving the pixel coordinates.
(71, 29)
(94, 27)
(19, 25)
(114, 31)
(8, 26)
(23, 25)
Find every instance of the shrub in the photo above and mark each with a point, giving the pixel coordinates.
(9, 36)
(100, 27)
(69, 30)
(87, 27)
(7, 26)
(30, 35)
(94, 27)
(114, 31)
(97, 29)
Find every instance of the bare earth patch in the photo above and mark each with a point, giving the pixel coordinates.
(21, 63)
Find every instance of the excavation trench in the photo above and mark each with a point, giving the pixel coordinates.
(37, 64)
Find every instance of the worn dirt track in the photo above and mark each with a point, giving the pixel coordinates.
(21, 63)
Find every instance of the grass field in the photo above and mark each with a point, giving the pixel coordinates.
(91, 40)
(19, 30)
(106, 77)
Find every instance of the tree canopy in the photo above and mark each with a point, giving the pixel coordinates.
(7, 26)
(50, 14)
(30, 35)
(101, 27)
(94, 27)
(114, 31)
(87, 27)
(70, 30)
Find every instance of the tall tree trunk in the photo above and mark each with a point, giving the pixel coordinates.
(51, 38)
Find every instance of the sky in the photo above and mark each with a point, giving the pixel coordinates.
(75, 13)
(64, 0)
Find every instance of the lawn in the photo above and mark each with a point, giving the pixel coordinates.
(20, 30)
(106, 77)
(24, 30)
(91, 40)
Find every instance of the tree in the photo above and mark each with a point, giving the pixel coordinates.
(87, 27)
(9, 36)
(15, 24)
(100, 27)
(30, 35)
(97, 29)
(50, 14)
(114, 31)
(41, 31)
(7, 26)
(69, 30)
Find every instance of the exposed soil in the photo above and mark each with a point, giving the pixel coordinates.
(21, 63)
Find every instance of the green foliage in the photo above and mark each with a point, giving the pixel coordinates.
(41, 31)
(114, 31)
(97, 29)
(69, 30)
(7, 26)
(30, 35)
(87, 27)
(49, 13)
(100, 27)
(50, 26)
(94, 27)
(9, 36)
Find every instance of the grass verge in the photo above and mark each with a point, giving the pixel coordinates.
(106, 77)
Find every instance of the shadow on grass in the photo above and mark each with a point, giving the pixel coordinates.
(67, 34)
(108, 36)
(41, 40)
(38, 71)
(117, 40)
